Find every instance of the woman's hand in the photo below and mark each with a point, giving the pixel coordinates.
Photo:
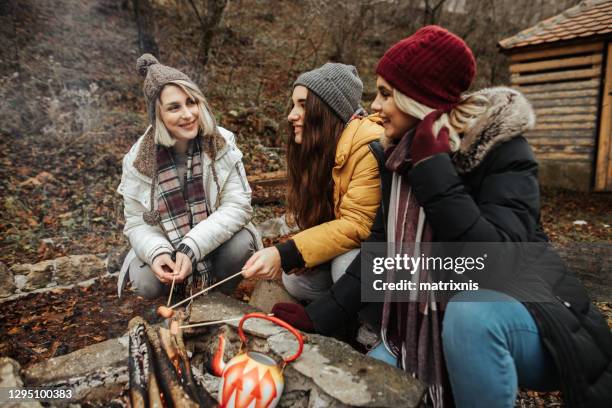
(183, 267)
(264, 264)
(425, 144)
(163, 268)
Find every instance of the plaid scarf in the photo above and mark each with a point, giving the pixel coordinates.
(412, 331)
(181, 208)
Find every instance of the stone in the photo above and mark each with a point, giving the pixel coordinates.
(7, 281)
(217, 306)
(20, 281)
(97, 357)
(96, 388)
(76, 268)
(348, 376)
(10, 378)
(275, 227)
(60, 271)
(37, 275)
(319, 399)
(294, 399)
(267, 293)
(297, 389)
(208, 381)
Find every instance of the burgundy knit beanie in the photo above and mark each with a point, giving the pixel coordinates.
(432, 66)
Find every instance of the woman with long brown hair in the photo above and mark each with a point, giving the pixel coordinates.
(334, 186)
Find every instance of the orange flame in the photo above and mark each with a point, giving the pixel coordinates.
(218, 364)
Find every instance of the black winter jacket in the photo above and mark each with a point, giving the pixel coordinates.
(492, 184)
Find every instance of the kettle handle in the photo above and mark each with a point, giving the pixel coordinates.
(279, 322)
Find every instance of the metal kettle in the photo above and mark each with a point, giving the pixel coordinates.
(252, 379)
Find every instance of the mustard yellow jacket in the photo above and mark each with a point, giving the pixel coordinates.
(356, 196)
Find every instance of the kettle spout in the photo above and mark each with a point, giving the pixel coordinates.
(218, 365)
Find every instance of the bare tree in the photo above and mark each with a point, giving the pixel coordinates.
(143, 13)
(209, 19)
(348, 22)
(346, 37)
(432, 11)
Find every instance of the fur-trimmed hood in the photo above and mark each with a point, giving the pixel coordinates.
(146, 156)
(509, 115)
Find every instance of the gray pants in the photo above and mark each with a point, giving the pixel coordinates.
(226, 260)
(311, 285)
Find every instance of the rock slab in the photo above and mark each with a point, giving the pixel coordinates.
(7, 281)
(267, 293)
(99, 356)
(10, 378)
(347, 376)
(60, 271)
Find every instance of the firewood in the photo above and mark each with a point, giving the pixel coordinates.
(169, 384)
(139, 363)
(155, 400)
(174, 346)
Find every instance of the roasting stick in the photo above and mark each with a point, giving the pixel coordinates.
(205, 290)
(171, 290)
(211, 323)
(167, 312)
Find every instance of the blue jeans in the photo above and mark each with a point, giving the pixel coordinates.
(491, 347)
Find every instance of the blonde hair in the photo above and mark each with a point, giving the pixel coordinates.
(458, 121)
(207, 124)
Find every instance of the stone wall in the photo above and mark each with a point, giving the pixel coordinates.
(328, 374)
(61, 272)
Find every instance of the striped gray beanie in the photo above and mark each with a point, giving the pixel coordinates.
(338, 85)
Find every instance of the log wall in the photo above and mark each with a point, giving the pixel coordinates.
(603, 172)
(563, 86)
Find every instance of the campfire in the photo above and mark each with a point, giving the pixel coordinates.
(160, 373)
(180, 364)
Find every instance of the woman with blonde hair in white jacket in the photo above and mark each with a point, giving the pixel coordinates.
(187, 202)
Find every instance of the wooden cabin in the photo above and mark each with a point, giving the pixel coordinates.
(564, 67)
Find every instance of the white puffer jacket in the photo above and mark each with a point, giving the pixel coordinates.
(230, 208)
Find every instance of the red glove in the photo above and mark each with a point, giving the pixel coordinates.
(424, 143)
(295, 315)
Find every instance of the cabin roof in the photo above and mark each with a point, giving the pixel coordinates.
(590, 18)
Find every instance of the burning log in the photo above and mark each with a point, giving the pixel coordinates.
(160, 373)
(174, 347)
(170, 386)
(144, 391)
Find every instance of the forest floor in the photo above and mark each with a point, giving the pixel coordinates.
(70, 108)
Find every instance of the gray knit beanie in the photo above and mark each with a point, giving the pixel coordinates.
(156, 76)
(338, 85)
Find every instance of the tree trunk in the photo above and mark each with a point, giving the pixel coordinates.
(432, 12)
(209, 23)
(143, 14)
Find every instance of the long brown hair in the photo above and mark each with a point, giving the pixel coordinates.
(310, 164)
